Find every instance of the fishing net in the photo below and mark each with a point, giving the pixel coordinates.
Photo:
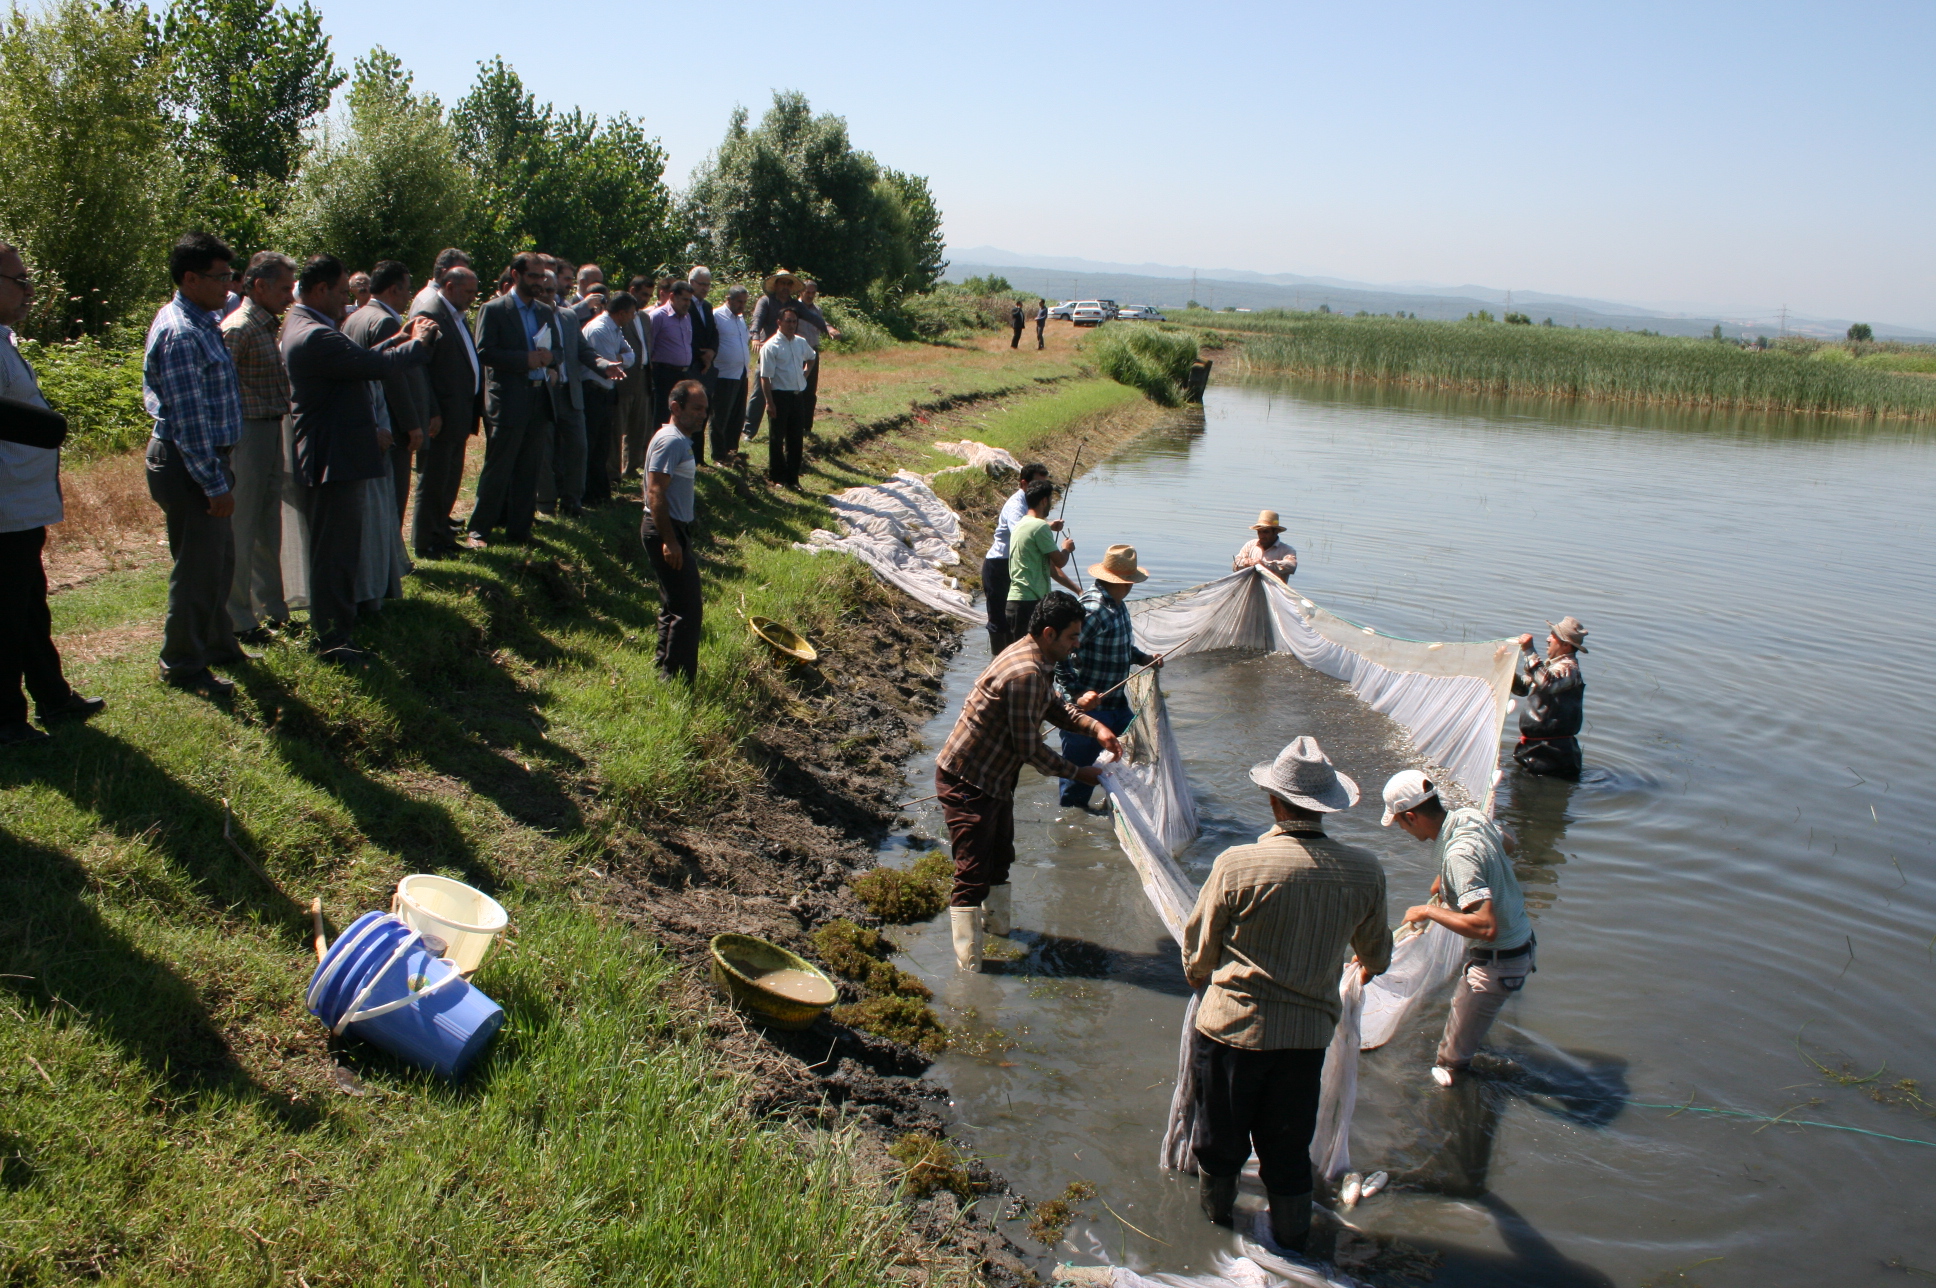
(906, 534)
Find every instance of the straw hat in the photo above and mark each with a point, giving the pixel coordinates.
(1569, 631)
(1303, 775)
(780, 279)
(1119, 564)
(1266, 519)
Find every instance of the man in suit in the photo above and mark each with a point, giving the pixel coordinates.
(456, 380)
(448, 258)
(563, 484)
(338, 443)
(705, 343)
(632, 423)
(407, 394)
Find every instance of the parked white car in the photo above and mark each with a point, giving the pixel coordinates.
(1063, 310)
(1089, 313)
(1139, 313)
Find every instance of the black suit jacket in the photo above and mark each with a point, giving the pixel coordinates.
(456, 390)
(503, 346)
(705, 332)
(407, 394)
(329, 397)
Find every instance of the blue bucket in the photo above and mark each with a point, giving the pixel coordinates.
(364, 986)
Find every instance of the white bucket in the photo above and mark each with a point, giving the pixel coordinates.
(467, 920)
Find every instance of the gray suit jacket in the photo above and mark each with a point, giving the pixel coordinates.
(332, 421)
(579, 356)
(455, 388)
(407, 392)
(503, 346)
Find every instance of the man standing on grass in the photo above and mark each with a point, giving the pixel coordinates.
(670, 470)
(671, 347)
(1093, 678)
(1017, 321)
(456, 381)
(30, 503)
(514, 338)
(406, 395)
(994, 564)
(777, 293)
(999, 728)
(1264, 944)
(816, 330)
(256, 606)
(189, 386)
(1035, 558)
(1477, 896)
(606, 336)
(632, 423)
(705, 341)
(729, 374)
(784, 360)
(1041, 321)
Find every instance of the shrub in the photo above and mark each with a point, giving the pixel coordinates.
(95, 382)
(1154, 360)
(860, 330)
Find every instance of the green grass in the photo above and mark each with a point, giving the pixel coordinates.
(1015, 424)
(1156, 360)
(1561, 362)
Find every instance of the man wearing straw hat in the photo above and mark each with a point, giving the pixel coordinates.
(1266, 548)
(1555, 694)
(1264, 944)
(1093, 678)
(781, 288)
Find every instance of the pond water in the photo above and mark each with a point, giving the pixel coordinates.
(1737, 902)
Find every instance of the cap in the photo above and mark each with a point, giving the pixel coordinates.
(1407, 789)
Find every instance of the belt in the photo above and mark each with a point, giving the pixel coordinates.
(1500, 954)
(1525, 738)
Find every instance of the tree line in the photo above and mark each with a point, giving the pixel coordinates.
(124, 128)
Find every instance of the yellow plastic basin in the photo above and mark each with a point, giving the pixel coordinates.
(782, 640)
(782, 987)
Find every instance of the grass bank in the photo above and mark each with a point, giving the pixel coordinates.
(1561, 362)
(170, 1113)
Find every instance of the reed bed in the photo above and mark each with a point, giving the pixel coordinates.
(1560, 362)
(1154, 360)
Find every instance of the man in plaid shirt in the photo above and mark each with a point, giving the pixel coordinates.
(1092, 680)
(999, 728)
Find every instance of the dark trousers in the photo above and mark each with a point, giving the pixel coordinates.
(982, 828)
(1080, 749)
(1015, 341)
(1019, 612)
(401, 457)
(600, 404)
(198, 630)
(440, 472)
(664, 376)
(994, 594)
(335, 547)
(631, 409)
(813, 394)
(27, 652)
(1552, 757)
(710, 383)
(680, 604)
(755, 400)
(785, 435)
(1038, 334)
(561, 476)
(1261, 1100)
(729, 415)
(507, 490)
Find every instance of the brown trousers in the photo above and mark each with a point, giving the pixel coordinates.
(982, 827)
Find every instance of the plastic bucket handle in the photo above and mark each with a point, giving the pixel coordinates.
(350, 1013)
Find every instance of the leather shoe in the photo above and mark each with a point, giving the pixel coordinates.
(258, 636)
(21, 734)
(73, 707)
(203, 681)
(344, 655)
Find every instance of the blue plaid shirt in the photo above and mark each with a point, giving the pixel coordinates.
(1107, 653)
(189, 386)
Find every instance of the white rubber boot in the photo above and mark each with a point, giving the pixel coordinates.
(966, 923)
(996, 910)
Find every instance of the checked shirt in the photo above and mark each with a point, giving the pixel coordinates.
(1000, 725)
(1107, 653)
(189, 386)
(250, 333)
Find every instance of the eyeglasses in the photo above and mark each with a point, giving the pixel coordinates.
(25, 281)
(227, 275)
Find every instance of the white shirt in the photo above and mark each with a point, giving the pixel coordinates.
(607, 340)
(470, 345)
(730, 362)
(1012, 511)
(783, 362)
(30, 495)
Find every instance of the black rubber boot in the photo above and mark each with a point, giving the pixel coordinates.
(1291, 1220)
(1219, 1197)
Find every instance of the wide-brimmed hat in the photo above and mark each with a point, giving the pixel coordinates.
(1303, 775)
(1119, 564)
(1569, 631)
(1267, 519)
(779, 279)
(1406, 790)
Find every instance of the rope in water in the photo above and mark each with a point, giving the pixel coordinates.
(1794, 1122)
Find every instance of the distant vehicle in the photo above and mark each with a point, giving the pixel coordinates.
(1108, 307)
(1063, 310)
(1089, 313)
(1139, 313)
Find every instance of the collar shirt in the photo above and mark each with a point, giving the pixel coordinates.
(1279, 558)
(638, 334)
(30, 495)
(1107, 653)
(607, 340)
(1267, 938)
(671, 337)
(189, 386)
(783, 363)
(1000, 726)
(462, 327)
(1555, 697)
(766, 316)
(250, 334)
(537, 334)
(730, 361)
(1473, 868)
(1013, 511)
(813, 324)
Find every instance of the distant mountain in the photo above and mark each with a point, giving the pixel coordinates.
(1167, 285)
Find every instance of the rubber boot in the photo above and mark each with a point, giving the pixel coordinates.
(1291, 1220)
(1219, 1197)
(966, 923)
(996, 908)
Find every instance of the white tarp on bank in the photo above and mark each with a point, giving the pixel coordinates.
(906, 534)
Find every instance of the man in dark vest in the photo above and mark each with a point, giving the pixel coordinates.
(1555, 694)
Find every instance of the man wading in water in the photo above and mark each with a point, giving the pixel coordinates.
(1102, 663)
(1000, 726)
(1264, 942)
(1555, 694)
(1481, 902)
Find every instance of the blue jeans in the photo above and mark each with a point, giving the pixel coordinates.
(1083, 750)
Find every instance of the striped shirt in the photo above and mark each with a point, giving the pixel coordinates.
(1107, 653)
(1269, 932)
(250, 334)
(1000, 725)
(188, 385)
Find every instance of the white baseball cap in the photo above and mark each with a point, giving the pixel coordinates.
(1407, 789)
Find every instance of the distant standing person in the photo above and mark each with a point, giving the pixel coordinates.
(1041, 321)
(667, 531)
(1267, 548)
(778, 292)
(632, 423)
(189, 386)
(514, 339)
(817, 330)
(994, 564)
(456, 380)
(1035, 558)
(784, 360)
(360, 290)
(606, 335)
(671, 347)
(1479, 899)
(257, 608)
(1555, 693)
(30, 503)
(729, 375)
(1017, 321)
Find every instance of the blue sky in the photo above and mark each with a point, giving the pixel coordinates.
(1677, 155)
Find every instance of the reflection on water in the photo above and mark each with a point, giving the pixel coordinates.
(1747, 854)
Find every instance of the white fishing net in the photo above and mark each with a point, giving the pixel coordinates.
(906, 534)
(996, 462)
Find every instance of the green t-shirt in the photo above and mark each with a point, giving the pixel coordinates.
(1030, 543)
